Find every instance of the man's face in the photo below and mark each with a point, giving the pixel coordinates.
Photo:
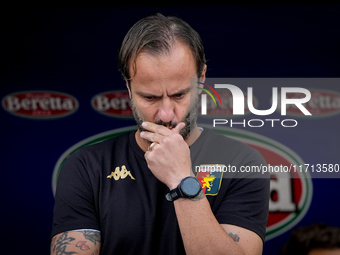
(161, 89)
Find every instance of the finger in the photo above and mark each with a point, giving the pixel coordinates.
(179, 127)
(159, 129)
(152, 137)
(151, 146)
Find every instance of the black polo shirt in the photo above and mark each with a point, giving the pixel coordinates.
(108, 187)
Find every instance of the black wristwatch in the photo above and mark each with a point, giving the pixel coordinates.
(189, 187)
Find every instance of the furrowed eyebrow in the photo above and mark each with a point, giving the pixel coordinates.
(147, 94)
(143, 94)
(183, 91)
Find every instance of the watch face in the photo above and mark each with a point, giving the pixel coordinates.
(191, 187)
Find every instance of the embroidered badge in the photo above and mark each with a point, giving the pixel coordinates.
(210, 177)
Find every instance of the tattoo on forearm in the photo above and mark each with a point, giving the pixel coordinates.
(92, 236)
(82, 245)
(235, 237)
(96, 252)
(61, 243)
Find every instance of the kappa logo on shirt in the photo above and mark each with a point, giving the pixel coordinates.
(120, 174)
(210, 178)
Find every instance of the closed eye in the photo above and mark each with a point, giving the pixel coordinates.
(179, 95)
(150, 98)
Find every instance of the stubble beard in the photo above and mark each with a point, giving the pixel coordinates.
(190, 120)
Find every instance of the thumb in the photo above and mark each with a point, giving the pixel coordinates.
(179, 126)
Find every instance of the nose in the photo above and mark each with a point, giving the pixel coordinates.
(166, 111)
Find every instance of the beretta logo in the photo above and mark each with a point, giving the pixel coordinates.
(113, 103)
(290, 195)
(40, 104)
(323, 103)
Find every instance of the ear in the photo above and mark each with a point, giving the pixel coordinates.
(128, 86)
(202, 78)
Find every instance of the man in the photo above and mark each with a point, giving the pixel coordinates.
(137, 193)
(315, 239)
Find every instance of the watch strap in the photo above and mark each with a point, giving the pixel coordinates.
(173, 194)
(179, 192)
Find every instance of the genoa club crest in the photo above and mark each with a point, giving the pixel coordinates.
(210, 177)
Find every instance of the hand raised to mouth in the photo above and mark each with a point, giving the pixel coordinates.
(169, 157)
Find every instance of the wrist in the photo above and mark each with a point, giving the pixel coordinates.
(189, 187)
(176, 181)
(174, 184)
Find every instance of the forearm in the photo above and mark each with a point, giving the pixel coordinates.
(169, 161)
(201, 233)
(76, 242)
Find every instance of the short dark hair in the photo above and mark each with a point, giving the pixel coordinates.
(155, 35)
(315, 236)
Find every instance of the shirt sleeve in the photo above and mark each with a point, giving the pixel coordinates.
(246, 202)
(74, 200)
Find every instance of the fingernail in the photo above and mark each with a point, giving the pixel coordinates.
(144, 124)
(142, 134)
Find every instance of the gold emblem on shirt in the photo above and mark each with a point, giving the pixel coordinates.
(120, 174)
(207, 181)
